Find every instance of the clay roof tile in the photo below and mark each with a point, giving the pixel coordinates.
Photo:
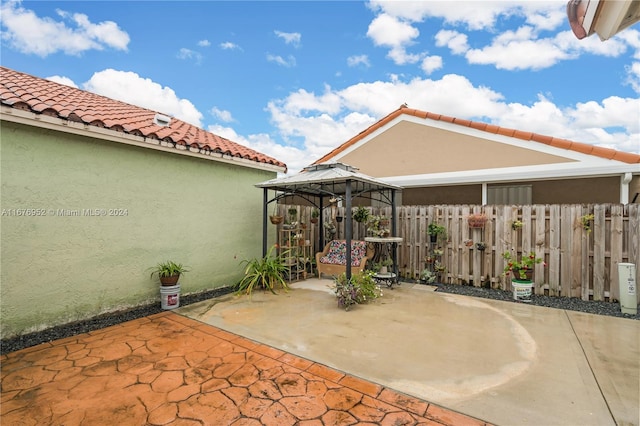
(40, 96)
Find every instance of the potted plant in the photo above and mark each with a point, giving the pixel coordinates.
(361, 214)
(516, 224)
(384, 221)
(436, 231)
(293, 214)
(330, 229)
(168, 272)
(275, 218)
(361, 288)
(522, 270)
(382, 266)
(315, 213)
(427, 276)
(376, 227)
(266, 273)
(587, 222)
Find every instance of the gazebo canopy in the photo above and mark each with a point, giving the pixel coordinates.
(327, 179)
(335, 181)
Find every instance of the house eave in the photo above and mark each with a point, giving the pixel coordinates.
(66, 126)
(514, 174)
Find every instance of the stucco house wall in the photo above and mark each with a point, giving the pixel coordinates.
(102, 213)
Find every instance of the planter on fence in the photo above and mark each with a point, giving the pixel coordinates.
(476, 220)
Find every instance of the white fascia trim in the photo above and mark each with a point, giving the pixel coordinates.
(512, 174)
(585, 159)
(61, 125)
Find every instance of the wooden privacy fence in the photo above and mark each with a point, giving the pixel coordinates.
(580, 259)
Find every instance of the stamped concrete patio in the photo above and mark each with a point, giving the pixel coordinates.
(167, 369)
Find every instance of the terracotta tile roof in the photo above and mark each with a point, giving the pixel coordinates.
(611, 154)
(40, 96)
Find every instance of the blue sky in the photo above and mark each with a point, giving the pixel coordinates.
(294, 79)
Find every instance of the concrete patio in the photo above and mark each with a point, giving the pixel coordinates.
(506, 363)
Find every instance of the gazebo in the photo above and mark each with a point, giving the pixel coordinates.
(321, 182)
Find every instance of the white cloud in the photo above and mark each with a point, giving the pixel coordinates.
(204, 43)
(386, 30)
(294, 158)
(131, 88)
(356, 60)
(75, 34)
(631, 37)
(185, 54)
(290, 38)
(227, 45)
(289, 62)
(633, 76)
(476, 15)
(519, 49)
(395, 27)
(62, 80)
(222, 115)
(431, 64)
(401, 57)
(455, 41)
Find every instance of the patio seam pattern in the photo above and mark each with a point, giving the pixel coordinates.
(169, 369)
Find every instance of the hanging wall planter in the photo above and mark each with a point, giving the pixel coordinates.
(476, 220)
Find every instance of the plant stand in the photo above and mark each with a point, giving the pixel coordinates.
(295, 250)
(388, 279)
(384, 248)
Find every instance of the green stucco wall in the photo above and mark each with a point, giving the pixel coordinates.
(70, 264)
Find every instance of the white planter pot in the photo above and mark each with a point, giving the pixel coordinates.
(522, 290)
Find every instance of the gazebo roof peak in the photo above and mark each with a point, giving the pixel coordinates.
(330, 165)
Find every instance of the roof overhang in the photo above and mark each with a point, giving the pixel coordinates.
(67, 126)
(603, 17)
(515, 174)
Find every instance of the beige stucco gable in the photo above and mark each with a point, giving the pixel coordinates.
(407, 148)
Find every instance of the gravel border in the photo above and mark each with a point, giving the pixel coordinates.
(569, 303)
(101, 321)
(105, 320)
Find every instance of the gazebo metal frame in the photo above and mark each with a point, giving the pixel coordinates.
(334, 180)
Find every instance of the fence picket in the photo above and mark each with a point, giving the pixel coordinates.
(598, 252)
(615, 252)
(554, 251)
